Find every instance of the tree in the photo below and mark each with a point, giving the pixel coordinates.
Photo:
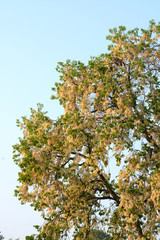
(111, 123)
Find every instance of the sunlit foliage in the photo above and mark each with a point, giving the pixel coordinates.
(110, 124)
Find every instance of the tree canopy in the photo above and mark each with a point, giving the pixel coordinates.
(99, 162)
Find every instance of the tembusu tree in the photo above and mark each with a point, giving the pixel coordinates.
(111, 121)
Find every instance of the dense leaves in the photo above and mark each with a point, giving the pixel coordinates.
(99, 163)
(98, 235)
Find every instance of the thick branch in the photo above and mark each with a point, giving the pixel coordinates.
(109, 188)
(139, 229)
(100, 190)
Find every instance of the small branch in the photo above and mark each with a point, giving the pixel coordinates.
(66, 162)
(80, 154)
(101, 198)
(94, 111)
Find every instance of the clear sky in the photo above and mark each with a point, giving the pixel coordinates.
(34, 36)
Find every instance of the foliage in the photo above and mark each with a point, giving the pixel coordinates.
(97, 235)
(1, 236)
(110, 124)
(44, 236)
(15, 239)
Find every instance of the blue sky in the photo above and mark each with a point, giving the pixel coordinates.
(34, 36)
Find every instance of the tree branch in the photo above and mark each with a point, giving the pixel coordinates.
(109, 188)
(100, 198)
(80, 154)
(100, 190)
(139, 229)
